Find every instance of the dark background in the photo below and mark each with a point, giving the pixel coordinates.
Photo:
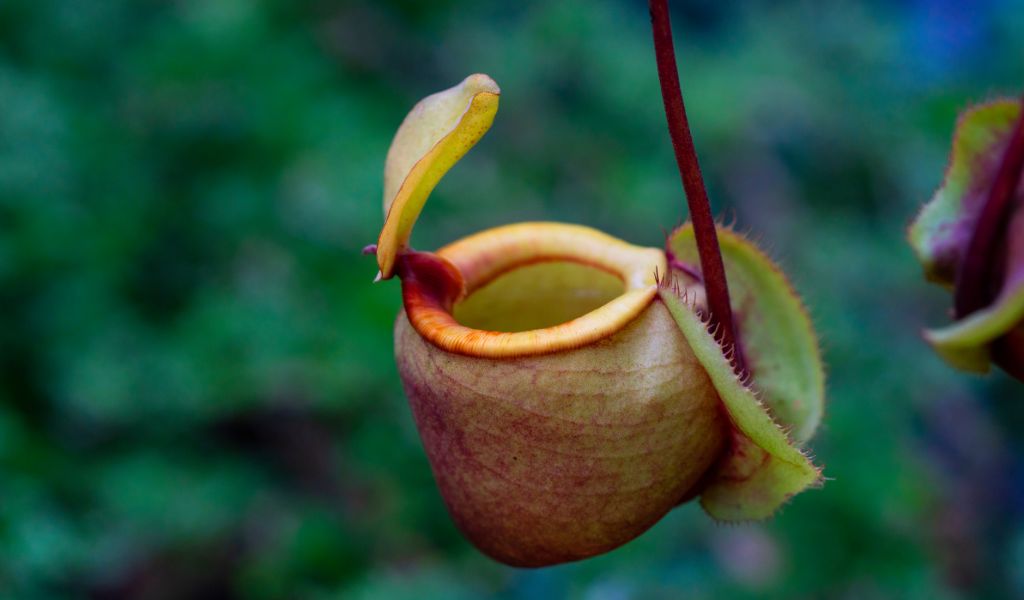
(197, 391)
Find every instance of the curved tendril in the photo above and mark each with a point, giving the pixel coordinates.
(712, 268)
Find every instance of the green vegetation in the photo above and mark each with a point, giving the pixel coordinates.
(197, 389)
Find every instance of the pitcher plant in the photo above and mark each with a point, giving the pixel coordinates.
(571, 388)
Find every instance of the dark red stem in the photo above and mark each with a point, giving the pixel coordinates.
(712, 268)
(976, 284)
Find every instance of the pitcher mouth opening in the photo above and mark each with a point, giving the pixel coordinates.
(608, 282)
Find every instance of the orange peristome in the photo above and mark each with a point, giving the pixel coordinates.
(482, 257)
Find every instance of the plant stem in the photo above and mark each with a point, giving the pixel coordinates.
(976, 283)
(712, 268)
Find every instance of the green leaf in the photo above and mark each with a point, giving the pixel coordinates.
(762, 468)
(775, 333)
(942, 230)
(965, 343)
(941, 233)
(786, 391)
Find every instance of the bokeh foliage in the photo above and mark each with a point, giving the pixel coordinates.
(198, 394)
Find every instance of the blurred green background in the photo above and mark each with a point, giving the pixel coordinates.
(197, 391)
